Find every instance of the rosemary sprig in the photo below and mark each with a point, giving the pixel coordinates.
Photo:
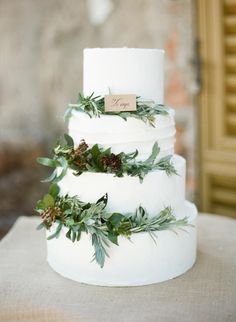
(94, 106)
(98, 159)
(104, 227)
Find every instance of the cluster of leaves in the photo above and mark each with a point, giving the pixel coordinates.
(94, 106)
(93, 218)
(98, 159)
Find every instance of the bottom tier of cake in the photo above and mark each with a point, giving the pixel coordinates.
(139, 261)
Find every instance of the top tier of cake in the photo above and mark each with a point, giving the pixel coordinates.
(124, 71)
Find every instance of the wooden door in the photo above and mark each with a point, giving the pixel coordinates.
(217, 105)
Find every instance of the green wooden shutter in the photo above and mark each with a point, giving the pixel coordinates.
(217, 106)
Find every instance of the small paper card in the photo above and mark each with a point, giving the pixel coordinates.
(120, 103)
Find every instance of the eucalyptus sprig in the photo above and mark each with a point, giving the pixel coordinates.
(94, 106)
(103, 226)
(98, 159)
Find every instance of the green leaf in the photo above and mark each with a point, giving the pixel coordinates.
(100, 252)
(40, 226)
(68, 211)
(40, 205)
(48, 201)
(106, 152)
(57, 232)
(70, 222)
(54, 190)
(63, 173)
(69, 140)
(73, 237)
(103, 199)
(51, 177)
(166, 165)
(68, 234)
(47, 162)
(116, 219)
(155, 152)
(64, 164)
(78, 235)
(95, 151)
(68, 114)
(113, 238)
(132, 155)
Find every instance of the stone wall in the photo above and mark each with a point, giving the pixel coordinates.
(41, 55)
(41, 60)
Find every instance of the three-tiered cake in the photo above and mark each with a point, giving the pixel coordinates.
(120, 194)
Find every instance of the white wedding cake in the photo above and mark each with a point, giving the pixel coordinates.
(143, 231)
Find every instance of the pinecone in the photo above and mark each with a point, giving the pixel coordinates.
(49, 215)
(112, 162)
(78, 155)
(83, 146)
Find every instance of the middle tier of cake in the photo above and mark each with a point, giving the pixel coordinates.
(125, 194)
(125, 136)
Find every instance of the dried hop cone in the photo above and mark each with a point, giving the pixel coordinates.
(112, 162)
(49, 215)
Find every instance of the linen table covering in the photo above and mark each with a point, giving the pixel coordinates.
(31, 291)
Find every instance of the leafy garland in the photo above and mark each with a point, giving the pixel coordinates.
(94, 106)
(98, 159)
(93, 218)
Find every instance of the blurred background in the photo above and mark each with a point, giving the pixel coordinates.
(41, 51)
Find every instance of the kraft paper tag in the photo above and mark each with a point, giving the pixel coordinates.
(120, 103)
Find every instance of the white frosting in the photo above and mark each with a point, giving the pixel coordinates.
(136, 262)
(125, 194)
(125, 136)
(124, 71)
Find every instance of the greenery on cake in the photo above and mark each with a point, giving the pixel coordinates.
(94, 106)
(103, 226)
(97, 159)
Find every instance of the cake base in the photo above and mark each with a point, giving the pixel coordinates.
(139, 261)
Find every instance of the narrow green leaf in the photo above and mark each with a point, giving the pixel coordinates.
(57, 232)
(40, 226)
(100, 252)
(68, 114)
(62, 174)
(103, 199)
(47, 162)
(69, 140)
(73, 237)
(51, 177)
(78, 235)
(68, 234)
(155, 152)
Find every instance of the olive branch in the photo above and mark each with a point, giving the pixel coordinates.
(104, 227)
(94, 106)
(98, 159)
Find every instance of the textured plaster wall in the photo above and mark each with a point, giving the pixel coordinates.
(41, 61)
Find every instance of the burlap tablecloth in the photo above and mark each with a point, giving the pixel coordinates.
(31, 291)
